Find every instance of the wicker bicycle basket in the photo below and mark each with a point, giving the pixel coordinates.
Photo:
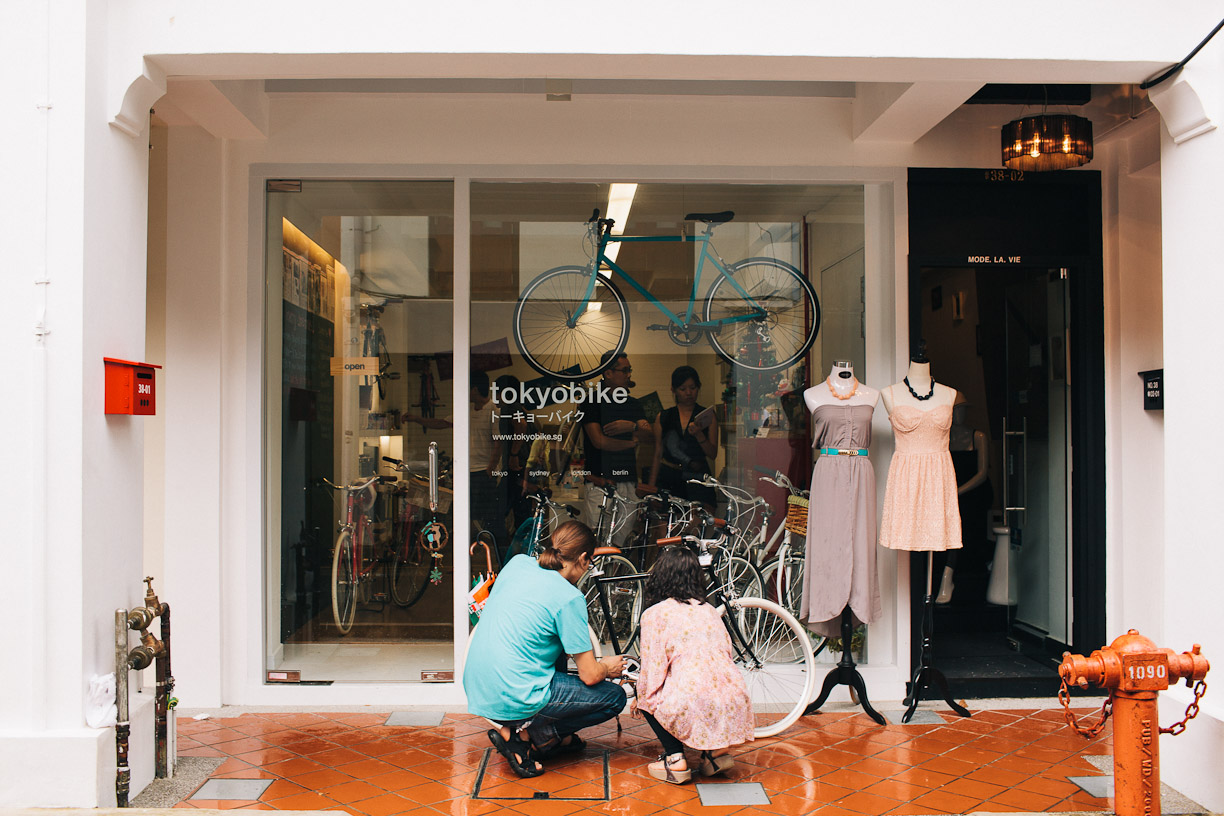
(796, 515)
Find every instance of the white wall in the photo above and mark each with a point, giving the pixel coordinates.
(77, 200)
(1191, 174)
(1134, 478)
(193, 395)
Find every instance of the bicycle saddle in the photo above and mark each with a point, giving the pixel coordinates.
(711, 218)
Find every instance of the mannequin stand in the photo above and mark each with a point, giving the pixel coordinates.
(925, 673)
(845, 673)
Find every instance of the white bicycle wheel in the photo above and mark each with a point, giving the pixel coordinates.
(774, 654)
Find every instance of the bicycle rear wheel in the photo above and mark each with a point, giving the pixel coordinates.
(344, 583)
(560, 339)
(792, 314)
(623, 600)
(774, 654)
(409, 573)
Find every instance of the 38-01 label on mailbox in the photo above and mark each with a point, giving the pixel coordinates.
(1148, 672)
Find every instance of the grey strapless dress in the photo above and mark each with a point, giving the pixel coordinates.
(840, 565)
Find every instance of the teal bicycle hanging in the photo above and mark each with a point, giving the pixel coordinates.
(761, 313)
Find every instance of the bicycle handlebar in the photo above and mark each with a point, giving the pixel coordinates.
(356, 487)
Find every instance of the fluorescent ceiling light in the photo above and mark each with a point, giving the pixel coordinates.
(620, 201)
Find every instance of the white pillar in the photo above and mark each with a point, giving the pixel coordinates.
(193, 400)
(75, 205)
(1192, 178)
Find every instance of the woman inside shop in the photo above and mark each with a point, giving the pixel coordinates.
(689, 689)
(690, 439)
(516, 676)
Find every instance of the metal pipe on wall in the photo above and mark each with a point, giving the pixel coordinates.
(123, 774)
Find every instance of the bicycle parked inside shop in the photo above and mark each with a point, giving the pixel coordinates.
(357, 559)
(760, 313)
(419, 536)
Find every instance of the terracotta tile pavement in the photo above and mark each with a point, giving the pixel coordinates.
(833, 763)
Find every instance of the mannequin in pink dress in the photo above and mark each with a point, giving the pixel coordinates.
(920, 506)
(921, 512)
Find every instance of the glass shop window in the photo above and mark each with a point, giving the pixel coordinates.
(360, 282)
(676, 298)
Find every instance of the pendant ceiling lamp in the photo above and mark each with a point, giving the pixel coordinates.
(1050, 141)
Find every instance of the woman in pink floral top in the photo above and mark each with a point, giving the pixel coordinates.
(689, 689)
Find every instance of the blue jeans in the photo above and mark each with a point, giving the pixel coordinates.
(573, 705)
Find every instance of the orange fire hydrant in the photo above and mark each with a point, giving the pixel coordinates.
(1134, 670)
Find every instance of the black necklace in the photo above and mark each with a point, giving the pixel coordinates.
(918, 396)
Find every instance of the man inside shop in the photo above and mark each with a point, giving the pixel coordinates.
(615, 426)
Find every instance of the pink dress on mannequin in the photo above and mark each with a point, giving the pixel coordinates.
(921, 511)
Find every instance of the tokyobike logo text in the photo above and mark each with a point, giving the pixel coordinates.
(527, 395)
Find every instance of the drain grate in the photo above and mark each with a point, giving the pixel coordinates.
(540, 794)
(249, 789)
(415, 718)
(921, 717)
(723, 794)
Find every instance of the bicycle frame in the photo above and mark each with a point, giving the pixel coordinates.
(601, 258)
(360, 528)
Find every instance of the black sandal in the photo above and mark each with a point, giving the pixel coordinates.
(517, 752)
(574, 746)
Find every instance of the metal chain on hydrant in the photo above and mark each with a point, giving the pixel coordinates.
(1064, 695)
(1192, 710)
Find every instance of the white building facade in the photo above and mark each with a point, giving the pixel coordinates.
(153, 236)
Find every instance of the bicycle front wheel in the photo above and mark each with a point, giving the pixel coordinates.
(561, 334)
(783, 335)
(409, 573)
(344, 583)
(774, 654)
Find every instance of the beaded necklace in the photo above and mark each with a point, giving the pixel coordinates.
(918, 396)
(833, 391)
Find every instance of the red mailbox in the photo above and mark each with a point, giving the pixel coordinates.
(131, 388)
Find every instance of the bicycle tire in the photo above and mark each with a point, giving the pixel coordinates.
(792, 313)
(623, 599)
(740, 573)
(777, 663)
(409, 574)
(542, 330)
(344, 587)
(787, 592)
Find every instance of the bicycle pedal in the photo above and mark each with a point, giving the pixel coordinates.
(657, 327)
(380, 597)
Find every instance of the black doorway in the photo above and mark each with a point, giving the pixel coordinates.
(1005, 295)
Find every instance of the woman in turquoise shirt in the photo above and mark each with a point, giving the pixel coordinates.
(517, 678)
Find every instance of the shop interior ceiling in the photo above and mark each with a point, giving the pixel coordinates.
(1107, 106)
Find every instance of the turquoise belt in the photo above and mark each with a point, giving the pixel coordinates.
(843, 451)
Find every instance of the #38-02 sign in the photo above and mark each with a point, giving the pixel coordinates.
(354, 365)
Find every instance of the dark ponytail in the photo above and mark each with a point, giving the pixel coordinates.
(569, 542)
